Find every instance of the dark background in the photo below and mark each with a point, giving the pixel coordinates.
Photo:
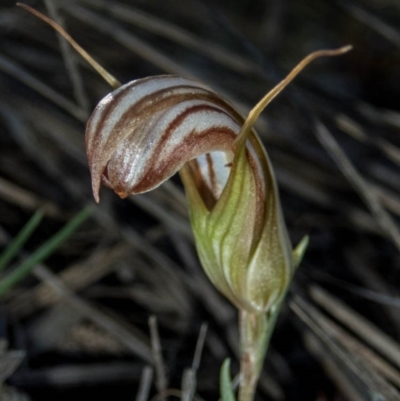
(84, 328)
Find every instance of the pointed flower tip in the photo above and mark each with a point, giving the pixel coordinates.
(95, 191)
(263, 103)
(96, 198)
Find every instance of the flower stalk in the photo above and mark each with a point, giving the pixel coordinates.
(253, 329)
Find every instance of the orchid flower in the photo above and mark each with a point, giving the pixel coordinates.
(147, 130)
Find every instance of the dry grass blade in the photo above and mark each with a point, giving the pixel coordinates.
(13, 69)
(26, 199)
(188, 384)
(132, 343)
(382, 217)
(128, 40)
(392, 151)
(354, 346)
(199, 346)
(145, 384)
(376, 386)
(359, 325)
(180, 36)
(69, 60)
(112, 81)
(189, 376)
(9, 361)
(76, 277)
(158, 361)
(334, 369)
(357, 348)
(168, 276)
(374, 22)
(375, 287)
(390, 200)
(174, 221)
(350, 127)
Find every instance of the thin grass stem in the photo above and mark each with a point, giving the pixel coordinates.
(18, 242)
(43, 252)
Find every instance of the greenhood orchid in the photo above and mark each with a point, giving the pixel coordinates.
(147, 130)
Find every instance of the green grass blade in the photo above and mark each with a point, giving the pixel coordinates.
(300, 250)
(18, 242)
(225, 382)
(43, 252)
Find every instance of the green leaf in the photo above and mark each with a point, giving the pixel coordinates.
(44, 251)
(225, 382)
(300, 250)
(18, 242)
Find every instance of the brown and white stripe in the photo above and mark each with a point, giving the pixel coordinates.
(145, 131)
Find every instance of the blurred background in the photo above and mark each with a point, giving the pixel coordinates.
(74, 319)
